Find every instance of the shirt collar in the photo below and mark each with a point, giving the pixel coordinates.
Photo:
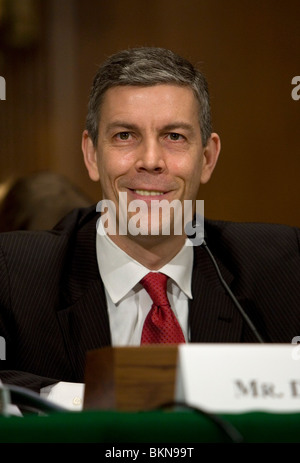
(114, 263)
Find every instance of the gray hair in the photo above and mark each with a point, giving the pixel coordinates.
(147, 66)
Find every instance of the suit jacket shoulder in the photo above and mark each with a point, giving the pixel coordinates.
(252, 245)
(261, 264)
(52, 303)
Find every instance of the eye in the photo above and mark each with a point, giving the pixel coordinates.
(123, 136)
(173, 136)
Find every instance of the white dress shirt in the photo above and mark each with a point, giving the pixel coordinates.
(128, 302)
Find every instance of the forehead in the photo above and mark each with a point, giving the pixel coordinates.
(157, 102)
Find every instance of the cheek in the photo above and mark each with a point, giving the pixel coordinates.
(113, 168)
(188, 162)
(192, 180)
(189, 171)
(114, 164)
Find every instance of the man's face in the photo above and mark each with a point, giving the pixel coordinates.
(149, 146)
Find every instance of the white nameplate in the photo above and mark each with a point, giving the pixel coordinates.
(229, 378)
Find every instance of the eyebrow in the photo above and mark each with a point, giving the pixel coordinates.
(121, 124)
(179, 125)
(168, 127)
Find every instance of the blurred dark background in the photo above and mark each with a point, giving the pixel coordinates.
(249, 51)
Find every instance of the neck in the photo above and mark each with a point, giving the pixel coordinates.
(151, 251)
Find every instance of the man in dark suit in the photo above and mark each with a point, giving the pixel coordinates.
(78, 287)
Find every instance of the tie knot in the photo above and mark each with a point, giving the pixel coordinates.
(156, 286)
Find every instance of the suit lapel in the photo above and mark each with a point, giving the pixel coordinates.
(213, 316)
(85, 326)
(83, 313)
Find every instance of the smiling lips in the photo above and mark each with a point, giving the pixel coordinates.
(148, 192)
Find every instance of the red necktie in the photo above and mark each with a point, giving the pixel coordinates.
(161, 325)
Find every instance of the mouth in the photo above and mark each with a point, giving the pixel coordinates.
(148, 192)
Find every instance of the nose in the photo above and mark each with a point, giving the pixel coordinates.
(151, 157)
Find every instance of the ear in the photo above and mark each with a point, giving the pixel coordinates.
(210, 157)
(90, 156)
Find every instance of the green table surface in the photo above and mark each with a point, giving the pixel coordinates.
(111, 427)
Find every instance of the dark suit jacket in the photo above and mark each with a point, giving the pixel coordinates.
(53, 308)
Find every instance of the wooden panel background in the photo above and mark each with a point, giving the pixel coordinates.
(248, 49)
